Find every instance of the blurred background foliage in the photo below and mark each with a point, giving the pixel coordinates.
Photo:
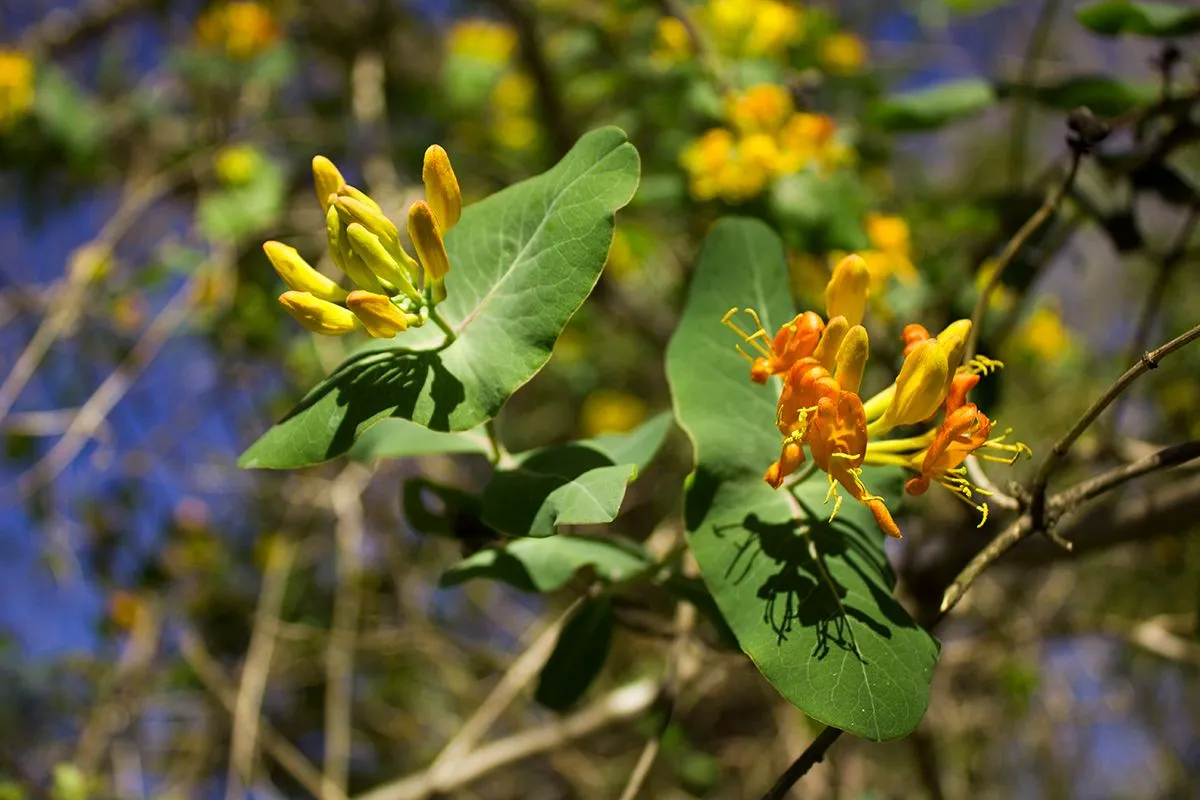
(148, 147)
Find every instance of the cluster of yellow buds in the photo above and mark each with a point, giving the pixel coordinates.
(767, 137)
(821, 362)
(737, 28)
(395, 291)
(243, 29)
(16, 87)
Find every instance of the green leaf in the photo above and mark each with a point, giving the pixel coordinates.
(544, 565)
(399, 438)
(581, 483)
(578, 656)
(1105, 96)
(235, 213)
(67, 113)
(810, 601)
(523, 261)
(934, 107)
(1115, 17)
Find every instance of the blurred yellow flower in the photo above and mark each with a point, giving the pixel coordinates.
(608, 411)
(516, 132)
(760, 109)
(671, 42)
(513, 93)
(484, 39)
(769, 138)
(623, 262)
(775, 26)
(236, 164)
(16, 87)
(891, 249)
(242, 29)
(751, 28)
(1043, 334)
(1003, 298)
(843, 53)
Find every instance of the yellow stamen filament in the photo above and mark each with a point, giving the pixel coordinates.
(751, 339)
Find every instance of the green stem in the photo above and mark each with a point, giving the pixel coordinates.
(445, 326)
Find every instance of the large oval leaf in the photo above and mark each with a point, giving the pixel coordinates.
(523, 261)
(934, 106)
(1114, 17)
(810, 602)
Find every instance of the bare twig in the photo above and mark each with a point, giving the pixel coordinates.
(279, 748)
(522, 671)
(627, 702)
(1093, 487)
(1148, 361)
(1023, 103)
(812, 755)
(680, 668)
(345, 497)
(244, 740)
(1048, 207)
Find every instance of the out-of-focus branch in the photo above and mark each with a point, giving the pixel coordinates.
(625, 703)
(1048, 207)
(345, 497)
(1168, 457)
(66, 25)
(244, 740)
(533, 55)
(1023, 103)
(279, 748)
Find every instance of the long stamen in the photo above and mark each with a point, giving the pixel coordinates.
(749, 338)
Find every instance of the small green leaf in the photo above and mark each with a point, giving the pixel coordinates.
(579, 655)
(523, 261)
(399, 438)
(544, 565)
(235, 213)
(1102, 94)
(581, 483)
(1115, 17)
(810, 601)
(67, 113)
(934, 107)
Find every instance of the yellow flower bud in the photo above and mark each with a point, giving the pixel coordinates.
(847, 290)
(298, 275)
(327, 179)
(427, 238)
(319, 316)
(378, 315)
(831, 339)
(354, 210)
(441, 187)
(852, 359)
(921, 386)
(345, 257)
(954, 342)
(377, 258)
(355, 193)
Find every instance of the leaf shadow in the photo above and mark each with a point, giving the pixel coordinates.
(378, 383)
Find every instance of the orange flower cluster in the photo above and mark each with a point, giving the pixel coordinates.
(821, 362)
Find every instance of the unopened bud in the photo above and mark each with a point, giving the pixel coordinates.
(921, 386)
(319, 316)
(441, 187)
(953, 341)
(354, 210)
(427, 239)
(831, 340)
(345, 257)
(327, 180)
(852, 359)
(299, 275)
(354, 193)
(847, 290)
(378, 259)
(378, 315)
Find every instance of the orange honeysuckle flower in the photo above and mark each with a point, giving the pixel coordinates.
(838, 441)
(793, 341)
